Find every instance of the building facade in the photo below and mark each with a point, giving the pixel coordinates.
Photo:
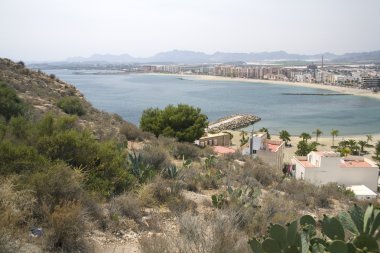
(328, 167)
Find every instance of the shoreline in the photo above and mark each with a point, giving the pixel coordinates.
(344, 90)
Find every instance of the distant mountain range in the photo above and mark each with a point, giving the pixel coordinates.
(191, 57)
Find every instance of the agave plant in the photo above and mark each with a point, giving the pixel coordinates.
(170, 172)
(138, 167)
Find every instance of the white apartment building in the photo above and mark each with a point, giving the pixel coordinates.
(325, 167)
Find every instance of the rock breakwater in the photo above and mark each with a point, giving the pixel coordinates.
(232, 122)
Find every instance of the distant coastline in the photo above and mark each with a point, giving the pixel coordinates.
(340, 89)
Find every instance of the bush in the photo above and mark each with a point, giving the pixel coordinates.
(154, 244)
(16, 208)
(216, 234)
(71, 105)
(275, 208)
(127, 205)
(10, 103)
(56, 184)
(179, 205)
(132, 132)
(186, 151)
(18, 158)
(262, 172)
(156, 156)
(67, 228)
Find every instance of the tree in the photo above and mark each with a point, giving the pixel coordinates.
(285, 136)
(265, 130)
(334, 133)
(377, 151)
(305, 136)
(369, 138)
(317, 133)
(304, 148)
(354, 147)
(243, 139)
(362, 144)
(183, 122)
(10, 103)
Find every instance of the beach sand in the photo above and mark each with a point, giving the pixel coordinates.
(345, 90)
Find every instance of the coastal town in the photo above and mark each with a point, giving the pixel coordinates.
(362, 76)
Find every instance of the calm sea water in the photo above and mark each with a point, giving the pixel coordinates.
(129, 95)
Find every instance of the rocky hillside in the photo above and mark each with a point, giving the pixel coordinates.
(42, 93)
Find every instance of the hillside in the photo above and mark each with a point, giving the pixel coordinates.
(42, 92)
(73, 179)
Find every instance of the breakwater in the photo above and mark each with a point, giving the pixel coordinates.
(233, 122)
(315, 94)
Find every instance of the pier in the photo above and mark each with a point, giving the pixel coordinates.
(315, 94)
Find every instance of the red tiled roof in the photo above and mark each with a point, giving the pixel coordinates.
(306, 164)
(355, 164)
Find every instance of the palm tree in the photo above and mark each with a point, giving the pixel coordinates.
(362, 144)
(369, 138)
(377, 152)
(317, 133)
(334, 133)
(265, 130)
(353, 146)
(243, 140)
(305, 136)
(285, 136)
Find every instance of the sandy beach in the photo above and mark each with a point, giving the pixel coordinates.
(345, 90)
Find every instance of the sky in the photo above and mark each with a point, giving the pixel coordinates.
(51, 30)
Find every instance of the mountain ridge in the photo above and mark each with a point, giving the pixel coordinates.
(188, 57)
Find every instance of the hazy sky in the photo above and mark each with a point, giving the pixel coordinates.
(57, 29)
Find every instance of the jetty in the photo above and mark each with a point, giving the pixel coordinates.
(232, 122)
(315, 94)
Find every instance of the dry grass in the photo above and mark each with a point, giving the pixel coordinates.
(16, 208)
(127, 205)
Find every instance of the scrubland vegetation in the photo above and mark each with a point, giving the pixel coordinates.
(71, 180)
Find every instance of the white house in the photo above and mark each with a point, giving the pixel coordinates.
(327, 166)
(269, 151)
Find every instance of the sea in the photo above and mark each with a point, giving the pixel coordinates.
(129, 95)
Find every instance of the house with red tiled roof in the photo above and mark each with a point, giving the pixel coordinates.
(269, 151)
(328, 166)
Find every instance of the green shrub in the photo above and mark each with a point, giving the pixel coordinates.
(19, 127)
(18, 158)
(10, 103)
(56, 184)
(71, 105)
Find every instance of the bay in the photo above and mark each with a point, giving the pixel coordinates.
(129, 94)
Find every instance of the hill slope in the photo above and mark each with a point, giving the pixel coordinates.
(42, 92)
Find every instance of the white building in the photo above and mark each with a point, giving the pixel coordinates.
(269, 151)
(325, 167)
(362, 192)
